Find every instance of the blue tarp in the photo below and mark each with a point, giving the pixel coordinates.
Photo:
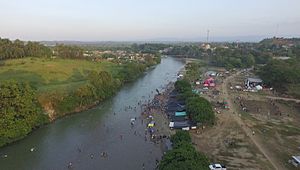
(195, 91)
(180, 113)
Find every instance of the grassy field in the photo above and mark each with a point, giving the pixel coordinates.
(53, 74)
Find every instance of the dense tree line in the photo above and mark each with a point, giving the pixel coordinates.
(19, 49)
(233, 58)
(281, 74)
(193, 51)
(66, 51)
(148, 47)
(20, 111)
(131, 71)
(183, 155)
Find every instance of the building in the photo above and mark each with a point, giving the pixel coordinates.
(281, 58)
(206, 46)
(253, 82)
(211, 73)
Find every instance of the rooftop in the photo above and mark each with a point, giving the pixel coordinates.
(254, 80)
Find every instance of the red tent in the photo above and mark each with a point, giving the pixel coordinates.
(210, 82)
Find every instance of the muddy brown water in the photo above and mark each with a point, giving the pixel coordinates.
(80, 138)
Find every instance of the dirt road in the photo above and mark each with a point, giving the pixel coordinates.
(254, 138)
(283, 98)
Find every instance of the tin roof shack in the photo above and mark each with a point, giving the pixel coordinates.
(179, 125)
(253, 82)
(211, 74)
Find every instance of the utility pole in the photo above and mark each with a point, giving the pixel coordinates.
(207, 37)
(276, 32)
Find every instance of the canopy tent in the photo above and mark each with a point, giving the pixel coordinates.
(179, 125)
(172, 103)
(173, 107)
(176, 100)
(174, 93)
(210, 82)
(258, 87)
(151, 124)
(195, 91)
(176, 109)
(174, 118)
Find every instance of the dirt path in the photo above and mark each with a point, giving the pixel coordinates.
(254, 138)
(283, 98)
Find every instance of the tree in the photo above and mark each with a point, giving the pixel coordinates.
(182, 86)
(19, 111)
(248, 60)
(180, 137)
(131, 71)
(200, 110)
(183, 155)
(280, 74)
(18, 49)
(65, 51)
(193, 71)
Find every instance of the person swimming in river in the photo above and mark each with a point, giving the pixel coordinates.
(32, 149)
(104, 154)
(70, 165)
(79, 150)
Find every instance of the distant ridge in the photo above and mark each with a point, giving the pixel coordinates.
(171, 41)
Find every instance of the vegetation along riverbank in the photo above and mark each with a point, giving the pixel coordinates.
(40, 84)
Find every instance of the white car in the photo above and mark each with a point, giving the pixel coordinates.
(217, 167)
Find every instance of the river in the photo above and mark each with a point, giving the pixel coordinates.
(81, 137)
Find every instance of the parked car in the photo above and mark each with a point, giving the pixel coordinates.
(295, 161)
(217, 167)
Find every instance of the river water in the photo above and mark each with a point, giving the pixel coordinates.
(80, 138)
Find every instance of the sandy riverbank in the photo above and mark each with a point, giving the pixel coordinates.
(155, 111)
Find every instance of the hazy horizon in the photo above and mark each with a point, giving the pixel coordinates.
(136, 20)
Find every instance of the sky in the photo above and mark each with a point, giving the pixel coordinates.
(149, 20)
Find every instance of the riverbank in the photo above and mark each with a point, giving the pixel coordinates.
(65, 87)
(154, 112)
